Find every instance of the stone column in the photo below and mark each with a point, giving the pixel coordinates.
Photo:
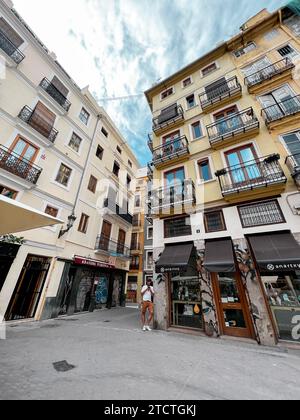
(161, 301)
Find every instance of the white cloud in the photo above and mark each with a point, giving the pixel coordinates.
(121, 47)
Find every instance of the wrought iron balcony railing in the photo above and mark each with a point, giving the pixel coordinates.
(49, 87)
(113, 248)
(269, 72)
(172, 149)
(167, 117)
(10, 49)
(218, 92)
(251, 175)
(150, 142)
(293, 163)
(179, 194)
(116, 210)
(17, 165)
(282, 109)
(232, 126)
(30, 117)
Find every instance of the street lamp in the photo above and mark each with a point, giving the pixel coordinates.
(70, 224)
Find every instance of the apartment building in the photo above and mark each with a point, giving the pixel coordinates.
(61, 154)
(135, 278)
(225, 199)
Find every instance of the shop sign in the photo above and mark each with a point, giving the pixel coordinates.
(92, 263)
(168, 270)
(283, 267)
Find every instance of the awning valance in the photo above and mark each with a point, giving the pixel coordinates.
(219, 257)
(176, 258)
(276, 252)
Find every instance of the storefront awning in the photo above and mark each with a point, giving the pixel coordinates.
(219, 256)
(17, 217)
(176, 258)
(276, 252)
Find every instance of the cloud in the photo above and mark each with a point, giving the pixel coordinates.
(122, 47)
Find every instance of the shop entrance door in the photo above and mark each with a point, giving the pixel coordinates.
(233, 313)
(29, 289)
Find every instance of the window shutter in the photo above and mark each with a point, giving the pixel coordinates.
(60, 86)
(10, 33)
(168, 113)
(43, 119)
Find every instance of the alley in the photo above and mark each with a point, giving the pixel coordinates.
(109, 357)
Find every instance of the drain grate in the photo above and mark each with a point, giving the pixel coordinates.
(63, 366)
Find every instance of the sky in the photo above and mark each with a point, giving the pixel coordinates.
(123, 47)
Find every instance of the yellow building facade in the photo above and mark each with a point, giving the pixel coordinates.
(225, 197)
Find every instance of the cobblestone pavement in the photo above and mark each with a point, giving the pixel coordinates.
(109, 357)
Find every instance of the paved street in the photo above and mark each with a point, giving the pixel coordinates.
(113, 359)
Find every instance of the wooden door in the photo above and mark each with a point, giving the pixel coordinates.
(121, 241)
(105, 235)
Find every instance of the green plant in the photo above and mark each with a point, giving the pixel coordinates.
(11, 239)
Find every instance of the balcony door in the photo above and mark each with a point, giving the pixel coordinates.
(42, 119)
(292, 142)
(243, 165)
(121, 241)
(226, 122)
(258, 70)
(216, 89)
(280, 102)
(105, 235)
(172, 143)
(24, 149)
(174, 181)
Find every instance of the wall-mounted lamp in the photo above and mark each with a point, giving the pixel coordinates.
(70, 224)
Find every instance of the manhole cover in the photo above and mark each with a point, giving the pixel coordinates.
(63, 366)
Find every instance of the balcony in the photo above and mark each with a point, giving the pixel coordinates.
(49, 87)
(111, 247)
(260, 177)
(173, 151)
(293, 163)
(169, 117)
(177, 199)
(270, 76)
(31, 118)
(17, 165)
(220, 94)
(10, 49)
(135, 248)
(150, 143)
(230, 130)
(150, 167)
(282, 113)
(116, 210)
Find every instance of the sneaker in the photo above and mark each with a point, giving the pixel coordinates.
(148, 328)
(144, 328)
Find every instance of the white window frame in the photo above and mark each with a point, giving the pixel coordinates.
(67, 188)
(80, 146)
(203, 76)
(192, 131)
(212, 170)
(186, 102)
(149, 268)
(288, 44)
(243, 48)
(165, 90)
(149, 238)
(192, 82)
(89, 119)
(47, 203)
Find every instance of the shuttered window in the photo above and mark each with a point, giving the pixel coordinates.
(60, 86)
(42, 119)
(10, 33)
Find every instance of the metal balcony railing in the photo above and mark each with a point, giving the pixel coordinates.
(49, 87)
(17, 165)
(219, 92)
(179, 194)
(113, 248)
(150, 167)
(30, 117)
(251, 175)
(135, 246)
(269, 72)
(10, 49)
(172, 149)
(116, 210)
(167, 117)
(293, 163)
(232, 126)
(280, 110)
(150, 142)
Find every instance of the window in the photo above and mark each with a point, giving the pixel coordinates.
(135, 241)
(7, 192)
(287, 51)
(116, 169)
(99, 152)
(271, 35)
(128, 181)
(214, 221)
(187, 82)
(261, 214)
(10, 33)
(150, 233)
(197, 132)
(104, 132)
(63, 175)
(24, 150)
(134, 265)
(83, 225)
(191, 101)
(136, 220)
(209, 69)
(245, 50)
(84, 116)
(92, 184)
(130, 163)
(137, 201)
(167, 93)
(75, 142)
(174, 228)
(150, 260)
(204, 170)
(52, 211)
(119, 150)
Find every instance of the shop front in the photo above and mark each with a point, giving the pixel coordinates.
(89, 284)
(178, 265)
(277, 257)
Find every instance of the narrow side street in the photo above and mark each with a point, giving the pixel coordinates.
(109, 357)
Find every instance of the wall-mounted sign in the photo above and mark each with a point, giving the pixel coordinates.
(92, 263)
